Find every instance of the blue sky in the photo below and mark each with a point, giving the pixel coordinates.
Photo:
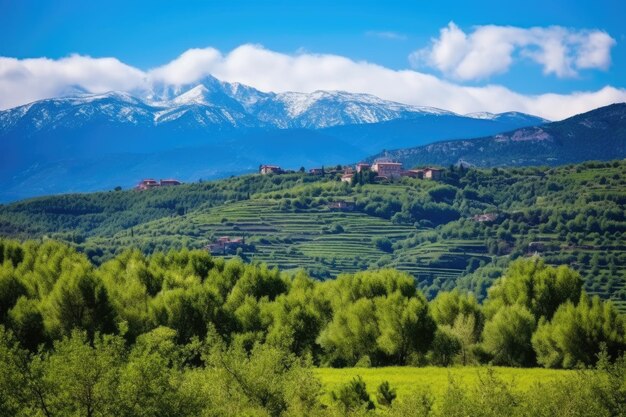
(149, 34)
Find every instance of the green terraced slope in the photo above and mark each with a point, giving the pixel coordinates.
(571, 215)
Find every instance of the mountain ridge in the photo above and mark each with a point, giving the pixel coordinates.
(596, 135)
(290, 109)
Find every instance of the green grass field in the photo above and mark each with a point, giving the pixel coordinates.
(407, 379)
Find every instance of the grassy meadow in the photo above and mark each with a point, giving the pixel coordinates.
(407, 379)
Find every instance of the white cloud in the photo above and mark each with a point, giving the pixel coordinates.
(491, 49)
(191, 66)
(22, 81)
(389, 35)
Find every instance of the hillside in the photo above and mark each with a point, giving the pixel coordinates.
(569, 215)
(208, 130)
(597, 135)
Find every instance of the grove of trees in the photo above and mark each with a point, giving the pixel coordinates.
(182, 333)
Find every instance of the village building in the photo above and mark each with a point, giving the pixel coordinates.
(347, 178)
(387, 169)
(433, 173)
(270, 169)
(413, 173)
(316, 171)
(146, 184)
(426, 173)
(149, 183)
(341, 205)
(225, 244)
(485, 217)
(362, 166)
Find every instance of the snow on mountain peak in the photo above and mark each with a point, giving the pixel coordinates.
(212, 101)
(197, 95)
(482, 115)
(506, 115)
(114, 95)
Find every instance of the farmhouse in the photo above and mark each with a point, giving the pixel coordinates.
(413, 173)
(386, 168)
(149, 183)
(225, 244)
(426, 173)
(146, 184)
(486, 217)
(432, 173)
(347, 177)
(341, 205)
(362, 166)
(270, 169)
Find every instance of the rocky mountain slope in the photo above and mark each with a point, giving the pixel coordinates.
(597, 135)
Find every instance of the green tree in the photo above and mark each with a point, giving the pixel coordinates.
(445, 347)
(464, 329)
(351, 334)
(153, 382)
(447, 307)
(11, 288)
(405, 325)
(507, 336)
(26, 321)
(189, 311)
(266, 379)
(85, 376)
(538, 287)
(79, 300)
(577, 333)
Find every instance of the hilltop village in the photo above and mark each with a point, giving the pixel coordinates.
(383, 169)
(380, 170)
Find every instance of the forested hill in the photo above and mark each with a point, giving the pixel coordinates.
(597, 135)
(460, 231)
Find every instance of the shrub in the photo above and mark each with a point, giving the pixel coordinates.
(385, 395)
(353, 396)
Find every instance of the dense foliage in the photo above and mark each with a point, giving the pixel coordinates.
(534, 314)
(183, 333)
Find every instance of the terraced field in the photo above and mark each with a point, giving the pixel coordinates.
(325, 242)
(328, 242)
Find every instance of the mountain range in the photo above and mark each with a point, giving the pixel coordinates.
(596, 135)
(88, 142)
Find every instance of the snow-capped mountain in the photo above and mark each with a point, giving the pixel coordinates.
(61, 144)
(78, 110)
(511, 115)
(213, 103)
